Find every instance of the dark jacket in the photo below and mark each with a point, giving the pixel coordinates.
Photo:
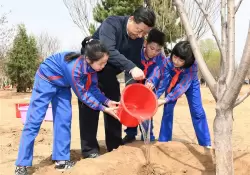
(124, 52)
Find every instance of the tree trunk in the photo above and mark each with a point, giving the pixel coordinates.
(223, 126)
(18, 89)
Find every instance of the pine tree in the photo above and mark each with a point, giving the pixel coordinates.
(22, 60)
(113, 7)
(166, 21)
(165, 14)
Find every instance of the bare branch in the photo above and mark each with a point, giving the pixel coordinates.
(223, 32)
(241, 99)
(231, 41)
(222, 86)
(212, 28)
(6, 35)
(236, 84)
(237, 6)
(199, 58)
(80, 12)
(47, 45)
(195, 17)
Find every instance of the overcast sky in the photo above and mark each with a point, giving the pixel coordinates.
(52, 16)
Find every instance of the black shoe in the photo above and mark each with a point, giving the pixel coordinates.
(128, 139)
(64, 166)
(21, 170)
(93, 155)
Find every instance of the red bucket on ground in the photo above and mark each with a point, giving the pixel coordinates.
(138, 103)
(18, 114)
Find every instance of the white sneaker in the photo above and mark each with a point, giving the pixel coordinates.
(208, 147)
(64, 166)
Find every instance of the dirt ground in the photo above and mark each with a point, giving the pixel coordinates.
(182, 156)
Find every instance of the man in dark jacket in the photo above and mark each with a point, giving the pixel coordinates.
(123, 35)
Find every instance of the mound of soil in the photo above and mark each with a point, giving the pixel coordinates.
(172, 158)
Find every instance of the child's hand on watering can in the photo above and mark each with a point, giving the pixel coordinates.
(150, 85)
(112, 104)
(112, 111)
(161, 102)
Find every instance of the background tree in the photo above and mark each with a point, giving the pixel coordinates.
(167, 19)
(92, 29)
(113, 7)
(211, 55)
(22, 60)
(226, 90)
(47, 45)
(6, 33)
(81, 13)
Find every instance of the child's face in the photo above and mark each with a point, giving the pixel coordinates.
(178, 62)
(152, 49)
(100, 64)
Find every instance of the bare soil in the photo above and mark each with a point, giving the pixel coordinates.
(181, 157)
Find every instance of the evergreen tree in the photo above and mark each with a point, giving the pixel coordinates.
(92, 29)
(166, 21)
(22, 60)
(113, 7)
(165, 14)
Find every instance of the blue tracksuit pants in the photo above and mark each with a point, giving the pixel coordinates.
(197, 113)
(43, 93)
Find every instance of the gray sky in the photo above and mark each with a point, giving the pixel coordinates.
(44, 15)
(241, 28)
(52, 16)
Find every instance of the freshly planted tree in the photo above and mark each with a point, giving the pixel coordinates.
(226, 90)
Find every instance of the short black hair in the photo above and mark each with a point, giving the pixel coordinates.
(156, 36)
(144, 15)
(183, 50)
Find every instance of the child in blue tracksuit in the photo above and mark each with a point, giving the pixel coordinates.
(151, 57)
(182, 70)
(53, 82)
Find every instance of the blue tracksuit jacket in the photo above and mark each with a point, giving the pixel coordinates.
(53, 82)
(75, 75)
(152, 68)
(187, 83)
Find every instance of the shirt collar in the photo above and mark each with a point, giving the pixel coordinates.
(125, 25)
(172, 65)
(86, 67)
(144, 58)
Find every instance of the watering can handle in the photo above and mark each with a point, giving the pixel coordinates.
(132, 79)
(128, 81)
